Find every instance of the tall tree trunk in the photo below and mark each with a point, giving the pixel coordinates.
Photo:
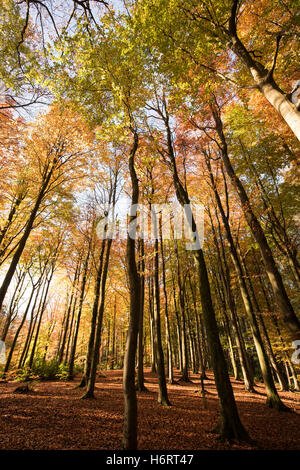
(31, 327)
(88, 360)
(200, 338)
(43, 308)
(225, 274)
(167, 322)
(229, 425)
(178, 327)
(183, 338)
(13, 303)
(278, 228)
(97, 341)
(107, 343)
(288, 361)
(151, 320)
(22, 243)
(273, 399)
(14, 207)
(130, 401)
(140, 376)
(66, 324)
(282, 381)
(71, 331)
(284, 304)
(113, 349)
(82, 293)
(162, 386)
(96, 330)
(12, 348)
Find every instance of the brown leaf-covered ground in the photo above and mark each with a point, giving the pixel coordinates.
(52, 416)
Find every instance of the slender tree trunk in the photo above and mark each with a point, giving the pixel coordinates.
(151, 319)
(247, 376)
(97, 341)
(66, 325)
(43, 308)
(140, 376)
(22, 243)
(183, 338)
(284, 304)
(31, 327)
(163, 393)
(14, 207)
(229, 425)
(13, 303)
(113, 358)
(63, 324)
(71, 332)
(190, 335)
(12, 348)
(167, 322)
(88, 360)
(288, 361)
(178, 328)
(107, 343)
(199, 333)
(95, 336)
(82, 293)
(282, 381)
(273, 399)
(231, 350)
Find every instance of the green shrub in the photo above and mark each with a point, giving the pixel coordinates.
(46, 370)
(25, 374)
(62, 373)
(43, 370)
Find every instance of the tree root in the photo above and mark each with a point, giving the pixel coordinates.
(277, 404)
(231, 434)
(88, 395)
(22, 389)
(184, 380)
(164, 403)
(141, 389)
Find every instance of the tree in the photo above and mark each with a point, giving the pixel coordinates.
(229, 425)
(275, 278)
(195, 33)
(54, 156)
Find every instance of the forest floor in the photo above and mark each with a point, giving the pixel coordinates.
(52, 416)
